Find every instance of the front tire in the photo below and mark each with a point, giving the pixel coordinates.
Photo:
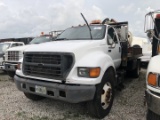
(152, 116)
(101, 105)
(33, 96)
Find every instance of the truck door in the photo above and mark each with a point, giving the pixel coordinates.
(114, 47)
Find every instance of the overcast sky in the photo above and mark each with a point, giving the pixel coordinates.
(25, 18)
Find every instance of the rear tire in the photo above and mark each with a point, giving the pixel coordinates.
(152, 116)
(33, 97)
(135, 73)
(101, 105)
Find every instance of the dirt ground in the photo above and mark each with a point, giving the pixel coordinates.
(128, 104)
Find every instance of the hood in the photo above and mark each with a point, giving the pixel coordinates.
(154, 64)
(19, 48)
(64, 46)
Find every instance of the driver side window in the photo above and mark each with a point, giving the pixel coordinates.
(109, 40)
(111, 35)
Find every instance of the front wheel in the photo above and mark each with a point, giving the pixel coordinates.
(101, 105)
(152, 116)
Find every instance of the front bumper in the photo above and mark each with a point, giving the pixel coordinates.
(64, 92)
(153, 101)
(10, 66)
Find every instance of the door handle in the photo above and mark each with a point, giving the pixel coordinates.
(109, 50)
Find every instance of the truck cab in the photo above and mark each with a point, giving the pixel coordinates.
(3, 48)
(79, 66)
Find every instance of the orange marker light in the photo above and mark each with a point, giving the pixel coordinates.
(42, 33)
(152, 79)
(94, 72)
(96, 22)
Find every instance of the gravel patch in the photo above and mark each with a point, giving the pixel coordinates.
(128, 104)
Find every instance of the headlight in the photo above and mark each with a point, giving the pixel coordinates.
(88, 72)
(19, 66)
(152, 79)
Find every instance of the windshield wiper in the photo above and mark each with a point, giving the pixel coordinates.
(87, 25)
(60, 39)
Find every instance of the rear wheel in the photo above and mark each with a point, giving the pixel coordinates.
(152, 116)
(101, 105)
(135, 73)
(33, 96)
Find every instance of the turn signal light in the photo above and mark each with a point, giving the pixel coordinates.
(152, 79)
(94, 72)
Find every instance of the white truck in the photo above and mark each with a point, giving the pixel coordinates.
(3, 48)
(152, 93)
(13, 55)
(84, 64)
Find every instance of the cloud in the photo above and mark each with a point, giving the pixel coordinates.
(149, 9)
(21, 18)
(30, 22)
(126, 8)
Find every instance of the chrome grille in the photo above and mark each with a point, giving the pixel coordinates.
(13, 55)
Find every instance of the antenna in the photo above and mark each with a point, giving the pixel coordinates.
(87, 25)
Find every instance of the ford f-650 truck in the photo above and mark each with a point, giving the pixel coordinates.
(152, 93)
(84, 64)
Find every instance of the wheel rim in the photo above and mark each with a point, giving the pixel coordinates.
(106, 95)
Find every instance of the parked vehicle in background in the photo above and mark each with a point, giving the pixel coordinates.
(3, 48)
(146, 46)
(85, 64)
(13, 55)
(152, 93)
(138, 41)
(147, 53)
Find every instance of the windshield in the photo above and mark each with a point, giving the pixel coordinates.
(82, 33)
(4, 46)
(41, 39)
